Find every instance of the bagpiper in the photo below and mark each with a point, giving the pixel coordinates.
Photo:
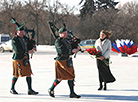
(64, 69)
(21, 64)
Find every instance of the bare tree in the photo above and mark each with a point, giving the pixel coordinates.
(36, 14)
(57, 14)
(125, 25)
(8, 9)
(102, 20)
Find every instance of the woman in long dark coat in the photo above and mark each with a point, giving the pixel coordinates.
(103, 44)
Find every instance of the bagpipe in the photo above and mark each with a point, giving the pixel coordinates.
(29, 35)
(74, 41)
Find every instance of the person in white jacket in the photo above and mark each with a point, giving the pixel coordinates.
(103, 44)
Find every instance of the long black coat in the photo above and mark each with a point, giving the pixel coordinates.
(105, 74)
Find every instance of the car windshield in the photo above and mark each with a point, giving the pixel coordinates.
(3, 39)
(93, 42)
(88, 42)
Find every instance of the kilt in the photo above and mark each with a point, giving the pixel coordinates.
(19, 70)
(62, 71)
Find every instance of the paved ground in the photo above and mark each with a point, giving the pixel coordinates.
(125, 89)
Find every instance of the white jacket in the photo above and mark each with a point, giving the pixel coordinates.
(104, 47)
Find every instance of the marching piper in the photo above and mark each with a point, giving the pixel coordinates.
(64, 69)
(21, 64)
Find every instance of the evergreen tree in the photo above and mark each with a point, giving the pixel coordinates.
(106, 4)
(88, 8)
(91, 6)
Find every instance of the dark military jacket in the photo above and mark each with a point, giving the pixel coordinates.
(63, 48)
(20, 48)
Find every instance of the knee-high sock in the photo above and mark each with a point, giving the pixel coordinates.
(29, 83)
(71, 86)
(55, 83)
(14, 79)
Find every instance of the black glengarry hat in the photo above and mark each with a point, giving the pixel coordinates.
(63, 29)
(21, 27)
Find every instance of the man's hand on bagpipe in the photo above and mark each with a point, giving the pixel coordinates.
(71, 38)
(74, 41)
(76, 50)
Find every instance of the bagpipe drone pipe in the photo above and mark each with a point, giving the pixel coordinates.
(74, 41)
(29, 34)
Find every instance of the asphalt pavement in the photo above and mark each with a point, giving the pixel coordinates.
(125, 89)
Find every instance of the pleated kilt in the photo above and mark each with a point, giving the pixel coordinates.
(62, 71)
(19, 70)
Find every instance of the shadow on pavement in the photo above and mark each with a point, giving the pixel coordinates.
(110, 97)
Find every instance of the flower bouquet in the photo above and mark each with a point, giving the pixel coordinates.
(124, 46)
(96, 53)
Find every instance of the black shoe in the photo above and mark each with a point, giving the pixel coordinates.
(13, 91)
(100, 88)
(105, 87)
(51, 93)
(74, 95)
(32, 92)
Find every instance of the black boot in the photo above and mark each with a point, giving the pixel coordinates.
(101, 86)
(29, 83)
(51, 93)
(13, 91)
(105, 86)
(74, 95)
(71, 87)
(32, 92)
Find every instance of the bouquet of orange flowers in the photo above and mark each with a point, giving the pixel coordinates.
(97, 53)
